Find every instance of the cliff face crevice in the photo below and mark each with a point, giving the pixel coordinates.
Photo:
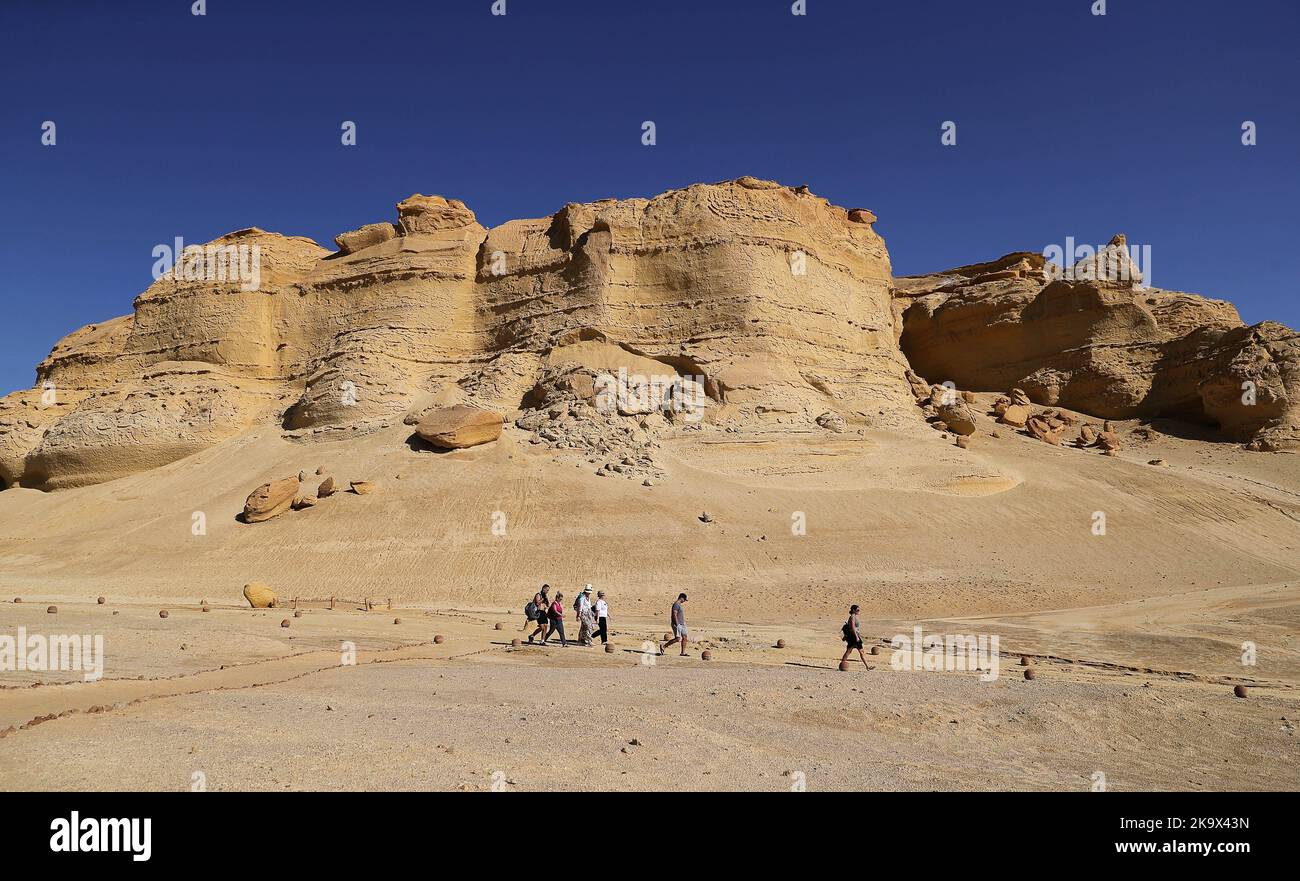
(778, 305)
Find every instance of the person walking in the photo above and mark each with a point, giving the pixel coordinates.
(852, 637)
(602, 617)
(678, 622)
(540, 606)
(556, 615)
(586, 620)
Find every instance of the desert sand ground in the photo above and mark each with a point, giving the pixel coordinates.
(1136, 635)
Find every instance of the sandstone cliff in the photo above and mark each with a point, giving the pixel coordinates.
(773, 304)
(774, 301)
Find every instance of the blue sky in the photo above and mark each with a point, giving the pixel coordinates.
(1068, 124)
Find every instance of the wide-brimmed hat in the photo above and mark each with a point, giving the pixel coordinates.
(587, 589)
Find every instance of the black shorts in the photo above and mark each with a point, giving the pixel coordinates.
(854, 643)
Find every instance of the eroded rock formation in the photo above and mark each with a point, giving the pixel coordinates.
(719, 306)
(1110, 348)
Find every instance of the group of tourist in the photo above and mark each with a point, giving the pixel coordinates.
(546, 615)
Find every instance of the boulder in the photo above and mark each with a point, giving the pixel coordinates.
(1019, 397)
(958, 416)
(366, 237)
(460, 426)
(1043, 430)
(326, 488)
(270, 500)
(1108, 440)
(259, 595)
(362, 487)
(1087, 435)
(1016, 416)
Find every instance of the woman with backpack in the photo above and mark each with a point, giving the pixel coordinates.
(852, 637)
(555, 612)
(536, 611)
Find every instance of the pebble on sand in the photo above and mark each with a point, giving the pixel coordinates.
(1024, 660)
(162, 613)
(284, 623)
(297, 613)
(438, 638)
(875, 649)
(101, 601)
(52, 610)
(497, 626)
(1030, 674)
(397, 620)
(1239, 690)
(609, 648)
(844, 666)
(514, 643)
(18, 599)
(780, 643)
(706, 655)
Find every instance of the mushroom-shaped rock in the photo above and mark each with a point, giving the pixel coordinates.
(454, 428)
(270, 500)
(259, 595)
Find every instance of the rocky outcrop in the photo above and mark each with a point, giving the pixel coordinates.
(1099, 342)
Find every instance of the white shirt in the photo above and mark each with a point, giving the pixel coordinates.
(583, 603)
(602, 609)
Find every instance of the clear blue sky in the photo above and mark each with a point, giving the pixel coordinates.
(1068, 124)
